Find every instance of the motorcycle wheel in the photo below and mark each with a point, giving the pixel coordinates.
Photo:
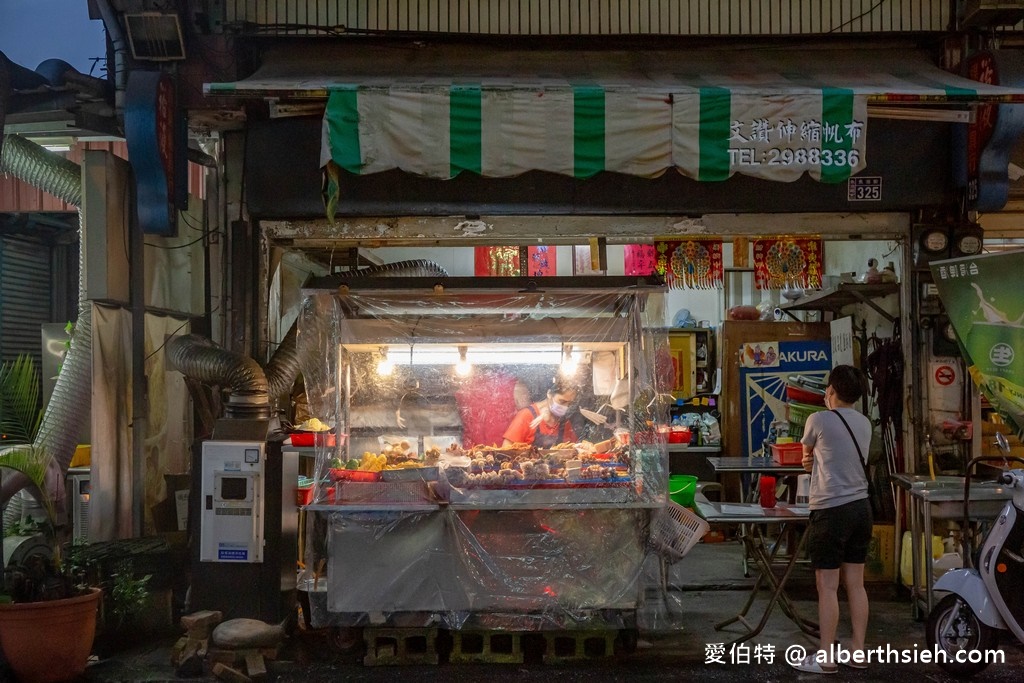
(953, 626)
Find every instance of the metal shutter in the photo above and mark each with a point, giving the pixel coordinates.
(24, 296)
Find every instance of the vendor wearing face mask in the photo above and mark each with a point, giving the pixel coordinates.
(544, 423)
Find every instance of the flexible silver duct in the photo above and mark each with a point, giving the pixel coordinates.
(412, 268)
(201, 359)
(252, 387)
(42, 169)
(68, 409)
(283, 367)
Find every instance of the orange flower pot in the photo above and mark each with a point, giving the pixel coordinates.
(49, 641)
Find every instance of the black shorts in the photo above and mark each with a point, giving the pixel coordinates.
(840, 535)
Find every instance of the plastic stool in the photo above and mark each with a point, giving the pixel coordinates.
(705, 487)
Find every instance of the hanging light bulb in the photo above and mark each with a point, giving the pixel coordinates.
(570, 363)
(384, 365)
(463, 367)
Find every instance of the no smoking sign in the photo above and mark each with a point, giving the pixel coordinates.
(945, 375)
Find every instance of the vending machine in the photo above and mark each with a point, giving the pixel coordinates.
(232, 515)
(244, 560)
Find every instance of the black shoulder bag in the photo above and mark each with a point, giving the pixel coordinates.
(860, 456)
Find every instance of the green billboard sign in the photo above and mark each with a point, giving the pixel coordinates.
(982, 297)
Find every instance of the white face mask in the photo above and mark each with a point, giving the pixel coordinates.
(557, 409)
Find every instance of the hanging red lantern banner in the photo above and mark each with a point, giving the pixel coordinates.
(694, 262)
(785, 261)
(504, 262)
(639, 259)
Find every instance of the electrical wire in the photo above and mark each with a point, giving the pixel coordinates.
(179, 246)
(859, 16)
(170, 336)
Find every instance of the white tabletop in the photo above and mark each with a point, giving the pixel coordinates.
(751, 513)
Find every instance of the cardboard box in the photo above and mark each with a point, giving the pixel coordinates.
(881, 560)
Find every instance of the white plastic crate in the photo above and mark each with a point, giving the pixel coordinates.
(676, 531)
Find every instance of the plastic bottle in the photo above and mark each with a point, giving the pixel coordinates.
(766, 491)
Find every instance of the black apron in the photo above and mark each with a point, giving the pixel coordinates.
(547, 440)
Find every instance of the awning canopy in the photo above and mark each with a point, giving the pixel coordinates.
(774, 114)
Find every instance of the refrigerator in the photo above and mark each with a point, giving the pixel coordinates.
(757, 360)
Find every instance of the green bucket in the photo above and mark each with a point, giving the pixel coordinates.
(681, 488)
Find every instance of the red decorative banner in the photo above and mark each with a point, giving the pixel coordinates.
(542, 262)
(504, 261)
(640, 259)
(694, 262)
(783, 261)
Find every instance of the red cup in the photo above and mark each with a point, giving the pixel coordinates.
(766, 491)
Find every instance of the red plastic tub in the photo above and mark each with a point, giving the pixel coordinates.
(354, 475)
(304, 496)
(679, 435)
(802, 395)
(328, 439)
(788, 453)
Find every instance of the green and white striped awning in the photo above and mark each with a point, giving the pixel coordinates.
(439, 112)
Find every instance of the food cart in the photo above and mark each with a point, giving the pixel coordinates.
(420, 515)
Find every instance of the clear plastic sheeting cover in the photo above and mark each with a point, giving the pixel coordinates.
(498, 453)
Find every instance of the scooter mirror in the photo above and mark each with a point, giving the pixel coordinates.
(1002, 443)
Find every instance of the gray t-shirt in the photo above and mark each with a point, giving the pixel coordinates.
(837, 476)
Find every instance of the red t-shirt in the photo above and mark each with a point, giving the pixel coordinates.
(519, 431)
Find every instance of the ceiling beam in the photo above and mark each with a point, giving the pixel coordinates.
(450, 231)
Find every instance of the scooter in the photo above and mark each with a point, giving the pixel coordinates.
(989, 597)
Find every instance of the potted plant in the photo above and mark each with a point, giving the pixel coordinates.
(47, 613)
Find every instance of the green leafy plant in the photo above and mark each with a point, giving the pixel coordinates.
(128, 595)
(20, 417)
(39, 577)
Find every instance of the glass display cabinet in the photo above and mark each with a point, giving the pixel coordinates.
(498, 450)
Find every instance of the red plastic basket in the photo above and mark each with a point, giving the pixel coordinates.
(354, 475)
(328, 439)
(788, 453)
(679, 435)
(304, 496)
(802, 395)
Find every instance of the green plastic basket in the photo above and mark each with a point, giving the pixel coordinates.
(681, 488)
(798, 413)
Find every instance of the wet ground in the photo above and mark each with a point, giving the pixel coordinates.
(677, 642)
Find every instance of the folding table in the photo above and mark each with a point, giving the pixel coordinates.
(757, 465)
(753, 465)
(754, 520)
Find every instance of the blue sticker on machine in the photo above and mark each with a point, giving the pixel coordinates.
(232, 552)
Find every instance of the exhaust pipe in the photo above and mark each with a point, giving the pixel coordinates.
(68, 410)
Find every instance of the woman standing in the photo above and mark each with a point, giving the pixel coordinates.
(835, 446)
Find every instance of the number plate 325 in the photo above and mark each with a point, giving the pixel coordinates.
(864, 189)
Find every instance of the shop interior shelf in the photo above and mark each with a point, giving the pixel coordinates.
(833, 299)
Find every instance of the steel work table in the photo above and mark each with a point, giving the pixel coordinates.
(928, 501)
(757, 466)
(753, 519)
(763, 465)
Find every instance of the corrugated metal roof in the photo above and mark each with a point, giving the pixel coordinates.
(884, 75)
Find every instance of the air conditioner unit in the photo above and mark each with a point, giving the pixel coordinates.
(155, 36)
(78, 489)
